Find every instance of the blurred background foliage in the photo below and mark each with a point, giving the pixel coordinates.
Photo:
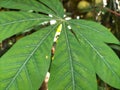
(106, 13)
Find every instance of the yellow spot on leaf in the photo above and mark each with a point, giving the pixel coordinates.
(53, 58)
(46, 57)
(59, 28)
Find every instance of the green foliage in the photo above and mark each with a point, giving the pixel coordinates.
(81, 50)
(23, 21)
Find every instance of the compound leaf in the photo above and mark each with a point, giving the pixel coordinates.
(82, 50)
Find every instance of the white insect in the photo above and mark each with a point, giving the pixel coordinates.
(104, 3)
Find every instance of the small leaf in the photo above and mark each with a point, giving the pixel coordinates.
(114, 46)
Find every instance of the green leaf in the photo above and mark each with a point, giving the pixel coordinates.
(81, 52)
(25, 65)
(114, 46)
(15, 22)
(54, 5)
(71, 69)
(105, 61)
(94, 31)
(25, 5)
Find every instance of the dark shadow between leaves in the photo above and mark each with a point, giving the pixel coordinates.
(115, 48)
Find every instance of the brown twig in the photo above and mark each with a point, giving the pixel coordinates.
(111, 11)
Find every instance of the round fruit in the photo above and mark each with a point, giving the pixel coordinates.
(89, 15)
(97, 2)
(83, 5)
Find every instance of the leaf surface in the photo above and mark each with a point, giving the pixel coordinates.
(54, 5)
(26, 5)
(71, 69)
(25, 65)
(105, 61)
(15, 22)
(81, 52)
